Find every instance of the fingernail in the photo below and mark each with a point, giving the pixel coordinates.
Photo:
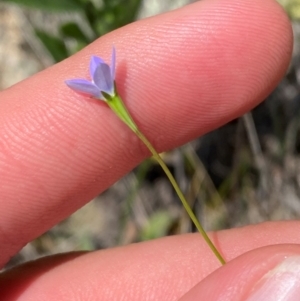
(280, 284)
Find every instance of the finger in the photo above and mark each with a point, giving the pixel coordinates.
(163, 269)
(270, 273)
(181, 74)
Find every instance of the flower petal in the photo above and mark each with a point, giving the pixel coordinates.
(84, 86)
(94, 63)
(113, 63)
(103, 80)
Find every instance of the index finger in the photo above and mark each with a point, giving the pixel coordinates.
(181, 74)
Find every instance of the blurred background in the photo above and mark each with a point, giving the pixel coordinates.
(246, 172)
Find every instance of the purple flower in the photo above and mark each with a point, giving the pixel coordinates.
(103, 78)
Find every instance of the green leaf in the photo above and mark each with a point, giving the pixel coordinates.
(72, 30)
(54, 5)
(79, 46)
(158, 225)
(92, 14)
(54, 45)
(131, 7)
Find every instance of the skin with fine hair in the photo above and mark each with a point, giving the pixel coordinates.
(204, 65)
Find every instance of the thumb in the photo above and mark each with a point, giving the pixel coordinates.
(269, 273)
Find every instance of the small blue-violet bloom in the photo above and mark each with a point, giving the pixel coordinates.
(103, 79)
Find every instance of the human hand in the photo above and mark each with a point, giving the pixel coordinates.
(181, 75)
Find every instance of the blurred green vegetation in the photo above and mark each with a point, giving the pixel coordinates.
(292, 7)
(100, 17)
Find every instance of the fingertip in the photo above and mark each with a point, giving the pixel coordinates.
(262, 274)
(224, 61)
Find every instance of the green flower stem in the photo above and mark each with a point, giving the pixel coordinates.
(181, 196)
(117, 105)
